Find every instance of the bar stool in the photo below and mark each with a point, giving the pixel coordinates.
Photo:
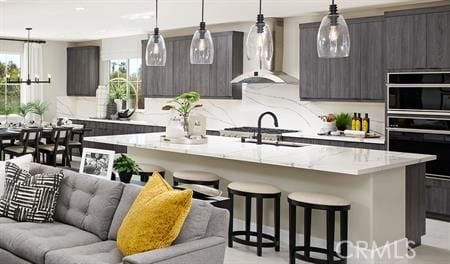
(331, 205)
(196, 177)
(260, 191)
(149, 169)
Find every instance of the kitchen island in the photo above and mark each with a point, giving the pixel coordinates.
(385, 188)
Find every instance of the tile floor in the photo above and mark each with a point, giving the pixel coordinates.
(435, 250)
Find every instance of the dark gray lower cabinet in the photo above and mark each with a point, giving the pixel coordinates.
(438, 198)
(335, 143)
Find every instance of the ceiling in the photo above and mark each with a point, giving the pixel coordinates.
(82, 20)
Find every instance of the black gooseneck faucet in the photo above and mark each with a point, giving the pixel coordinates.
(275, 122)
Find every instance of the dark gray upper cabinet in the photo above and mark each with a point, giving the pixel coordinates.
(438, 40)
(406, 45)
(83, 70)
(160, 79)
(179, 75)
(356, 78)
(418, 39)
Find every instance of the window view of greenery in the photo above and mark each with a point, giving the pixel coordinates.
(126, 75)
(9, 93)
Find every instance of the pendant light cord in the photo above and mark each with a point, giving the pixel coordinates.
(203, 10)
(260, 6)
(28, 53)
(156, 13)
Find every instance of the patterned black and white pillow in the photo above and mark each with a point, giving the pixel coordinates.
(29, 198)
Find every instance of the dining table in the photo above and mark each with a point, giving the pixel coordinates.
(12, 134)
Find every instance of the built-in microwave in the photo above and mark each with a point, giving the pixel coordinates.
(418, 93)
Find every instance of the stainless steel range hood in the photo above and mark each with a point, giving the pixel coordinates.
(274, 74)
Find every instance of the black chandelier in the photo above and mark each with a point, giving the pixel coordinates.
(28, 81)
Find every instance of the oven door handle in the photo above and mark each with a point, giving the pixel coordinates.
(419, 131)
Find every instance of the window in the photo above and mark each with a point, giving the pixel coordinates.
(9, 93)
(124, 75)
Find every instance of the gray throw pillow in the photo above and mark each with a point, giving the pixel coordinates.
(29, 198)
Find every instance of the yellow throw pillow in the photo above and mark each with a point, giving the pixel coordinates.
(155, 219)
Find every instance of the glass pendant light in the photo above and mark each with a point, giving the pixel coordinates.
(202, 45)
(259, 40)
(333, 38)
(155, 53)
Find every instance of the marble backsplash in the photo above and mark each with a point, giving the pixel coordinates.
(282, 99)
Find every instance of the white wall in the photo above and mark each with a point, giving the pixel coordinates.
(55, 63)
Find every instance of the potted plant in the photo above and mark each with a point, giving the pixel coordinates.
(184, 104)
(126, 167)
(343, 121)
(39, 108)
(118, 91)
(24, 110)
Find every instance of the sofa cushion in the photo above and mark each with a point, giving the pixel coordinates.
(154, 220)
(6, 220)
(31, 241)
(104, 252)
(130, 192)
(23, 162)
(30, 198)
(196, 222)
(85, 201)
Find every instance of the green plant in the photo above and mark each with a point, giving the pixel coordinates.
(39, 108)
(184, 104)
(125, 164)
(343, 121)
(24, 109)
(118, 89)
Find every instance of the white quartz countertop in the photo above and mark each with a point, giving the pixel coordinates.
(311, 157)
(381, 140)
(131, 122)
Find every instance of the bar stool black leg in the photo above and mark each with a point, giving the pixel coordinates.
(248, 216)
(230, 225)
(344, 234)
(292, 232)
(307, 231)
(277, 224)
(259, 219)
(330, 236)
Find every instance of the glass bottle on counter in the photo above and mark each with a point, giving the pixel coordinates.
(358, 125)
(366, 123)
(354, 121)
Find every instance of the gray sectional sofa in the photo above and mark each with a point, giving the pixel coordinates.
(88, 215)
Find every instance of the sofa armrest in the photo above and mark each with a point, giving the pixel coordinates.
(210, 250)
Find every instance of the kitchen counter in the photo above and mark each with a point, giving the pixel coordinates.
(385, 189)
(93, 119)
(381, 140)
(311, 157)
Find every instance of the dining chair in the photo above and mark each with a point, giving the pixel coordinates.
(58, 144)
(76, 140)
(28, 144)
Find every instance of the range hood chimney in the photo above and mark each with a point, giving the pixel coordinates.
(274, 73)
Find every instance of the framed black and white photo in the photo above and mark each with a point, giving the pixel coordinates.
(97, 162)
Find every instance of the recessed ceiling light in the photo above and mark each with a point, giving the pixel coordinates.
(140, 16)
(79, 8)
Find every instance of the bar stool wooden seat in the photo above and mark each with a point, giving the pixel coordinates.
(196, 177)
(260, 191)
(149, 169)
(330, 204)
